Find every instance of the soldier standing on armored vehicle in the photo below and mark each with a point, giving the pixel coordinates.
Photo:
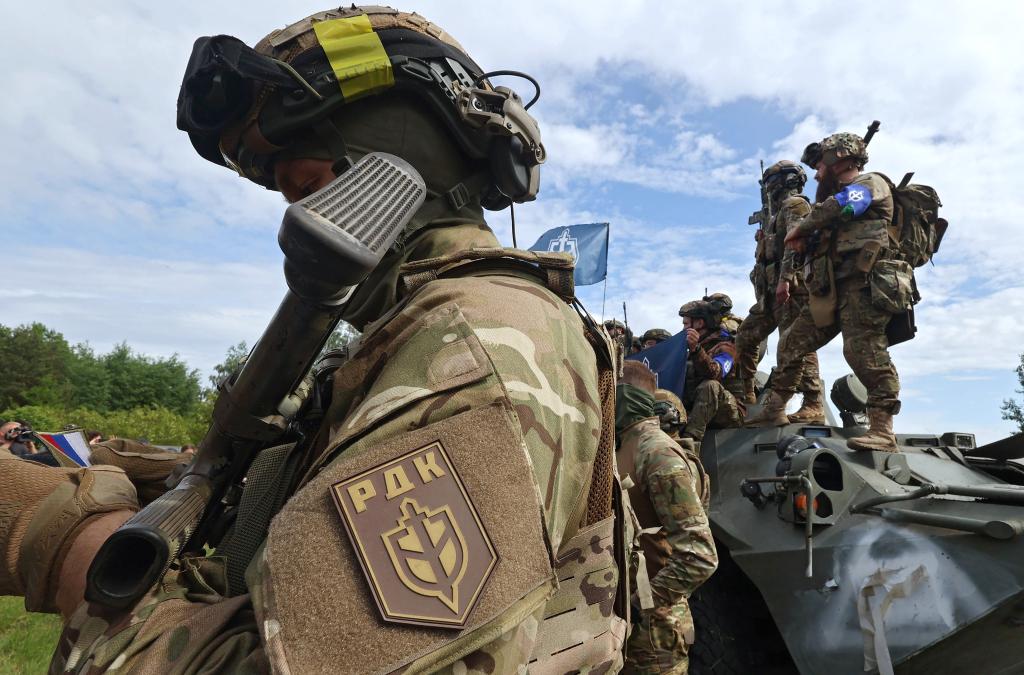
(779, 292)
(472, 423)
(669, 495)
(712, 387)
(851, 221)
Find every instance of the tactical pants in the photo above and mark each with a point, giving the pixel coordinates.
(660, 643)
(715, 408)
(865, 345)
(765, 317)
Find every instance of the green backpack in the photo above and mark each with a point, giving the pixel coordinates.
(916, 227)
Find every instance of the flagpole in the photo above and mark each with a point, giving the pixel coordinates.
(604, 293)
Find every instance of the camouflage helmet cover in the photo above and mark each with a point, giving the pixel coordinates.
(696, 309)
(668, 397)
(834, 148)
(719, 303)
(659, 334)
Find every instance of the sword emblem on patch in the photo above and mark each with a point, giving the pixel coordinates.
(422, 547)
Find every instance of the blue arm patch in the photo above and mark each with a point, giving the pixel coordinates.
(725, 361)
(855, 199)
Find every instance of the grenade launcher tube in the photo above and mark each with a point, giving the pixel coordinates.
(245, 420)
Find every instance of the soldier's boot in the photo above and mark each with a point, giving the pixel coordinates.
(812, 410)
(42, 510)
(748, 397)
(879, 436)
(773, 414)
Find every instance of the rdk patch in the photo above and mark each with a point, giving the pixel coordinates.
(419, 540)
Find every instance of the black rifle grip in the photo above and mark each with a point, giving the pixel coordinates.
(135, 557)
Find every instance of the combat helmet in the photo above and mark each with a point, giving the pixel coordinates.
(834, 148)
(719, 303)
(697, 309)
(669, 409)
(656, 334)
(242, 107)
(612, 324)
(784, 175)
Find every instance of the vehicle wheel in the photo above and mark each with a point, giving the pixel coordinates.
(735, 633)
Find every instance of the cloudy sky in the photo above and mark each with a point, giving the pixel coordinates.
(654, 116)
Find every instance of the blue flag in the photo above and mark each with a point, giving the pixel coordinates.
(668, 361)
(588, 245)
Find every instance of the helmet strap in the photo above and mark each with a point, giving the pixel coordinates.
(335, 142)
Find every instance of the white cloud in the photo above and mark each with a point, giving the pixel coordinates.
(91, 153)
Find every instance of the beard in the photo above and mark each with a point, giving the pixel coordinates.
(827, 187)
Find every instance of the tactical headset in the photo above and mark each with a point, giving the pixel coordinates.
(225, 80)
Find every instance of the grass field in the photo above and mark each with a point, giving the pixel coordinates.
(26, 640)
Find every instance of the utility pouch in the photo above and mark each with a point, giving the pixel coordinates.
(757, 278)
(892, 284)
(901, 327)
(867, 256)
(822, 301)
(818, 276)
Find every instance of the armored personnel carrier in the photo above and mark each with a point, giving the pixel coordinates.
(835, 561)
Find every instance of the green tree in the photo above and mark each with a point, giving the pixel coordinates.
(232, 361)
(89, 379)
(35, 361)
(1012, 410)
(138, 381)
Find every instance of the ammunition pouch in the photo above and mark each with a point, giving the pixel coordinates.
(867, 256)
(822, 301)
(901, 327)
(760, 283)
(892, 285)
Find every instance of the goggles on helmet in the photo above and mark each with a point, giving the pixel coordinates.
(240, 107)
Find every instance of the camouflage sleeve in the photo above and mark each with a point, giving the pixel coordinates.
(820, 215)
(793, 212)
(694, 558)
(716, 363)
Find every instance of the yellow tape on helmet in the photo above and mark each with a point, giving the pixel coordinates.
(356, 55)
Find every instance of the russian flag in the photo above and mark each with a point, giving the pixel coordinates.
(70, 444)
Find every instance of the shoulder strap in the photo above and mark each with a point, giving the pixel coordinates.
(553, 270)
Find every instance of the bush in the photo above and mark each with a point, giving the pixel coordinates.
(159, 426)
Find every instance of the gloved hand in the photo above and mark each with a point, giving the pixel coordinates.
(146, 467)
(42, 511)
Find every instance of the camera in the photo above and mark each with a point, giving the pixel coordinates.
(20, 434)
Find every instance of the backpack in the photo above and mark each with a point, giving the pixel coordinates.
(916, 228)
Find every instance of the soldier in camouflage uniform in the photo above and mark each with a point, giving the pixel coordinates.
(669, 495)
(654, 336)
(712, 388)
(852, 219)
(780, 295)
(489, 364)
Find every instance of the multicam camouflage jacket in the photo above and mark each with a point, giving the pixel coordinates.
(772, 262)
(458, 462)
(713, 358)
(857, 219)
(670, 493)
